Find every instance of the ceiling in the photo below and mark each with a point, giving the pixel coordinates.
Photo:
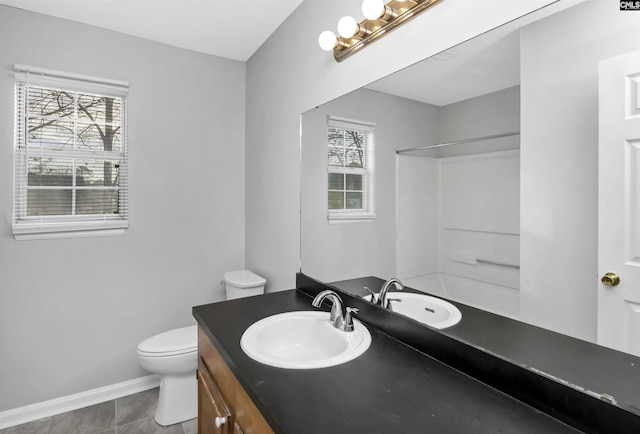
(487, 63)
(478, 67)
(232, 29)
(235, 29)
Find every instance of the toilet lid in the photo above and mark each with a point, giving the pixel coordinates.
(182, 340)
(244, 279)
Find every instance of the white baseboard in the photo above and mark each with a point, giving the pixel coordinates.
(29, 413)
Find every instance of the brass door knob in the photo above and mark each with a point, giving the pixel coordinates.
(610, 279)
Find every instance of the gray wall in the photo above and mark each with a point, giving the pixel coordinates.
(72, 311)
(559, 173)
(346, 250)
(494, 113)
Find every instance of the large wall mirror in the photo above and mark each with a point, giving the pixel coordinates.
(468, 169)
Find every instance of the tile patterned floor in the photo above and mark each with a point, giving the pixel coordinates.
(127, 415)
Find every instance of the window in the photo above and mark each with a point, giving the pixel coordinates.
(350, 151)
(70, 148)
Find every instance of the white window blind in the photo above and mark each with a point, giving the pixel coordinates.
(350, 170)
(71, 157)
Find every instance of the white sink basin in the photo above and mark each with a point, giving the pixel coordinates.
(303, 340)
(423, 308)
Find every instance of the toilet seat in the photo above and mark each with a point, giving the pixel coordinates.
(174, 342)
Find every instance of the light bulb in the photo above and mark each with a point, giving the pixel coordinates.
(373, 9)
(347, 27)
(327, 40)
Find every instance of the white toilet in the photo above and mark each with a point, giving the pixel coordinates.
(243, 283)
(174, 356)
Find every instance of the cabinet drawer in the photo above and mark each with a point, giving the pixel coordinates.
(246, 415)
(212, 409)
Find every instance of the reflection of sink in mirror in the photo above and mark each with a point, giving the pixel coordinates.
(498, 299)
(423, 308)
(303, 340)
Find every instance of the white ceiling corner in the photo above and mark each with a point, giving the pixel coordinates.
(233, 29)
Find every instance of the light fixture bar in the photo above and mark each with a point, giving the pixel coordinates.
(405, 10)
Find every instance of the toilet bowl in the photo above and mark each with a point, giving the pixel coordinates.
(174, 356)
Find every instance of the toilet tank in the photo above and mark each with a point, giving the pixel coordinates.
(243, 283)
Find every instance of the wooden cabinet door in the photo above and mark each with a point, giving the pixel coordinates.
(237, 429)
(246, 418)
(214, 416)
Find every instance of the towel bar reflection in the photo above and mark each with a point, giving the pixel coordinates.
(502, 264)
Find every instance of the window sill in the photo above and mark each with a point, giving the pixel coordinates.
(25, 232)
(342, 218)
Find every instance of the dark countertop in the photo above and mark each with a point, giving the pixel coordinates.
(589, 367)
(390, 388)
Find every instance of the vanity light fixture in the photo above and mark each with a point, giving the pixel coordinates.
(379, 19)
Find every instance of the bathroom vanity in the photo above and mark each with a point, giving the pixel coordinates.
(392, 387)
(223, 405)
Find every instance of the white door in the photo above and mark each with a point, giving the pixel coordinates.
(619, 204)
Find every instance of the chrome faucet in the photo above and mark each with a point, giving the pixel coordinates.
(344, 323)
(382, 297)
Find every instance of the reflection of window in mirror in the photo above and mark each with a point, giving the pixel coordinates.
(350, 157)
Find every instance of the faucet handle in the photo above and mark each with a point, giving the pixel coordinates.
(389, 300)
(374, 299)
(348, 320)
